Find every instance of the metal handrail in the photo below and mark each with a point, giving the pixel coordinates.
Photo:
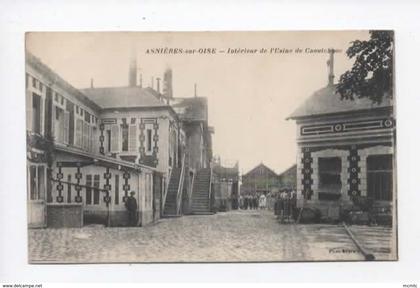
(166, 191)
(210, 185)
(180, 186)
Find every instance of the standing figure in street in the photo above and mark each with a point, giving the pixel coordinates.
(241, 202)
(263, 201)
(131, 205)
(255, 201)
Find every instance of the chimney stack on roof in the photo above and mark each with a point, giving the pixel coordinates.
(158, 84)
(167, 84)
(132, 74)
(330, 64)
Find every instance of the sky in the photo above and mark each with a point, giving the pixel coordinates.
(249, 95)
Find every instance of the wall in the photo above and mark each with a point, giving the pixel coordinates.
(127, 179)
(65, 216)
(160, 121)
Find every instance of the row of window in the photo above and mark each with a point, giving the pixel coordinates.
(60, 100)
(124, 138)
(379, 175)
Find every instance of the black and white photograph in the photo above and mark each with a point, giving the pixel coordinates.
(214, 147)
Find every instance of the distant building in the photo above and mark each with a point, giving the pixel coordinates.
(260, 179)
(225, 186)
(345, 148)
(287, 178)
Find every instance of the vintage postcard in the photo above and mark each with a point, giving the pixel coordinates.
(163, 147)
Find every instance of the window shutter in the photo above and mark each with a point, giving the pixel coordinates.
(61, 126)
(132, 138)
(66, 126)
(90, 138)
(115, 138)
(85, 136)
(79, 132)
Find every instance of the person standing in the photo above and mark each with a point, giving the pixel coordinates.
(263, 201)
(255, 201)
(131, 205)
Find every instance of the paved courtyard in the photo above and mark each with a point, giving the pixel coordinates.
(231, 236)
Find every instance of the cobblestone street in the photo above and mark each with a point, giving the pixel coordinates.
(231, 236)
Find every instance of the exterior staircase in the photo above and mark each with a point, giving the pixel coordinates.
(200, 195)
(170, 209)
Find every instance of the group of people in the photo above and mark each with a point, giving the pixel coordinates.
(253, 201)
(283, 202)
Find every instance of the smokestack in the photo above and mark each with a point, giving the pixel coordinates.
(141, 81)
(132, 76)
(330, 64)
(167, 84)
(195, 89)
(91, 82)
(153, 84)
(158, 85)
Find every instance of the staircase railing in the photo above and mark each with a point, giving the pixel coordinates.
(166, 190)
(190, 193)
(180, 187)
(210, 187)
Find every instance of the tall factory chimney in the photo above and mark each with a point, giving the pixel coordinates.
(158, 85)
(132, 76)
(167, 84)
(330, 64)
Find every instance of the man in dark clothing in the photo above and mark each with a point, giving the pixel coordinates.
(131, 205)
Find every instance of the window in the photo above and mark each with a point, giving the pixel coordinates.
(115, 138)
(41, 87)
(149, 140)
(96, 191)
(56, 97)
(132, 134)
(69, 188)
(79, 133)
(379, 177)
(36, 113)
(87, 117)
(59, 124)
(108, 137)
(77, 109)
(117, 187)
(330, 173)
(70, 112)
(61, 99)
(33, 82)
(36, 182)
(85, 136)
(124, 134)
(88, 189)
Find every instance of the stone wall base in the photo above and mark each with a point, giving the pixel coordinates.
(64, 215)
(330, 210)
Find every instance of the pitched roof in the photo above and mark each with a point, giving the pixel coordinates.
(289, 170)
(124, 97)
(328, 101)
(193, 109)
(47, 72)
(261, 170)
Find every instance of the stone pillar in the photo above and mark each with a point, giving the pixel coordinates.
(353, 181)
(306, 171)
